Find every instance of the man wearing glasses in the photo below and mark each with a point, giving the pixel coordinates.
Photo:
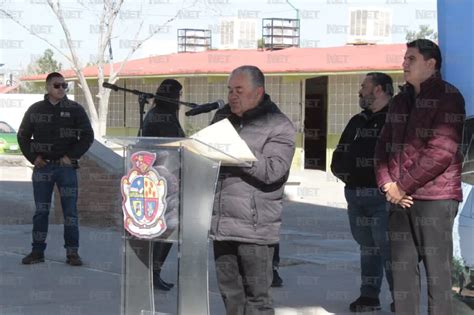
(53, 135)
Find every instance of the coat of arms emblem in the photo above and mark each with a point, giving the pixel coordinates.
(144, 197)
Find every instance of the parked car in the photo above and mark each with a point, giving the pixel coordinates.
(8, 141)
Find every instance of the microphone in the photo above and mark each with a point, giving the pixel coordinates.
(110, 86)
(205, 108)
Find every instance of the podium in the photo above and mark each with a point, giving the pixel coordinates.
(168, 192)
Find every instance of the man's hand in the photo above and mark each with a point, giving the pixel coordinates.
(396, 195)
(406, 202)
(65, 160)
(39, 162)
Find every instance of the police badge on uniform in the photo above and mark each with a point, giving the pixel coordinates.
(144, 197)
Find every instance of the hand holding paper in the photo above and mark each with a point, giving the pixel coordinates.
(223, 137)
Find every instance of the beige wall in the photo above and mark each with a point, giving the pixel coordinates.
(286, 91)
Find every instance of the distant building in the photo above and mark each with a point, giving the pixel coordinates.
(370, 26)
(316, 87)
(239, 33)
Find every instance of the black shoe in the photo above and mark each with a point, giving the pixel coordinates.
(73, 259)
(365, 304)
(277, 280)
(160, 284)
(33, 258)
(392, 307)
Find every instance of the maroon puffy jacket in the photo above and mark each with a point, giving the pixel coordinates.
(419, 145)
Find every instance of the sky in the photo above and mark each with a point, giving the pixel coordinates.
(324, 23)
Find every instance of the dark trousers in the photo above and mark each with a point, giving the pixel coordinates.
(276, 256)
(368, 219)
(160, 252)
(422, 233)
(244, 274)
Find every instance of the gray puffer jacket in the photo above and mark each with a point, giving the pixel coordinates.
(248, 201)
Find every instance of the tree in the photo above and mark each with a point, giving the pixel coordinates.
(424, 32)
(45, 64)
(107, 17)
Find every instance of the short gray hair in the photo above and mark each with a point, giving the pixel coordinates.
(255, 74)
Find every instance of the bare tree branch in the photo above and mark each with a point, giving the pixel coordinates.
(75, 63)
(107, 19)
(11, 17)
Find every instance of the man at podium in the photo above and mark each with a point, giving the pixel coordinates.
(248, 204)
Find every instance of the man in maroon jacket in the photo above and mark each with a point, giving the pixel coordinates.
(418, 167)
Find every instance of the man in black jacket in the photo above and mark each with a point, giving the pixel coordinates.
(353, 163)
(162, 121)
(53, 135)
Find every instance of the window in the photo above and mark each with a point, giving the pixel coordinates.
(369, 25)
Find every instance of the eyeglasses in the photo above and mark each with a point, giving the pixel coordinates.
(59, 85)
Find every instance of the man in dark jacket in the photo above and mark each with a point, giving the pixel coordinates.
(248, 204)
(419, 169)
(353, 163)
(53, 135)
(162, 121)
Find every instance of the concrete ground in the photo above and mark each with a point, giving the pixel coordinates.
(319, 258)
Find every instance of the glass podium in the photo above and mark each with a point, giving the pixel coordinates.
(168, 192)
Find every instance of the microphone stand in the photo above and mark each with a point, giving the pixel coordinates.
(143, 99)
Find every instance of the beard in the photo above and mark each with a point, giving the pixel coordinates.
(366, 101)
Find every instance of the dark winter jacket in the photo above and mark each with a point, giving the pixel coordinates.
(161, 121)
(353, 160)
(53, 131)
(419, 144)
(248, 201)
